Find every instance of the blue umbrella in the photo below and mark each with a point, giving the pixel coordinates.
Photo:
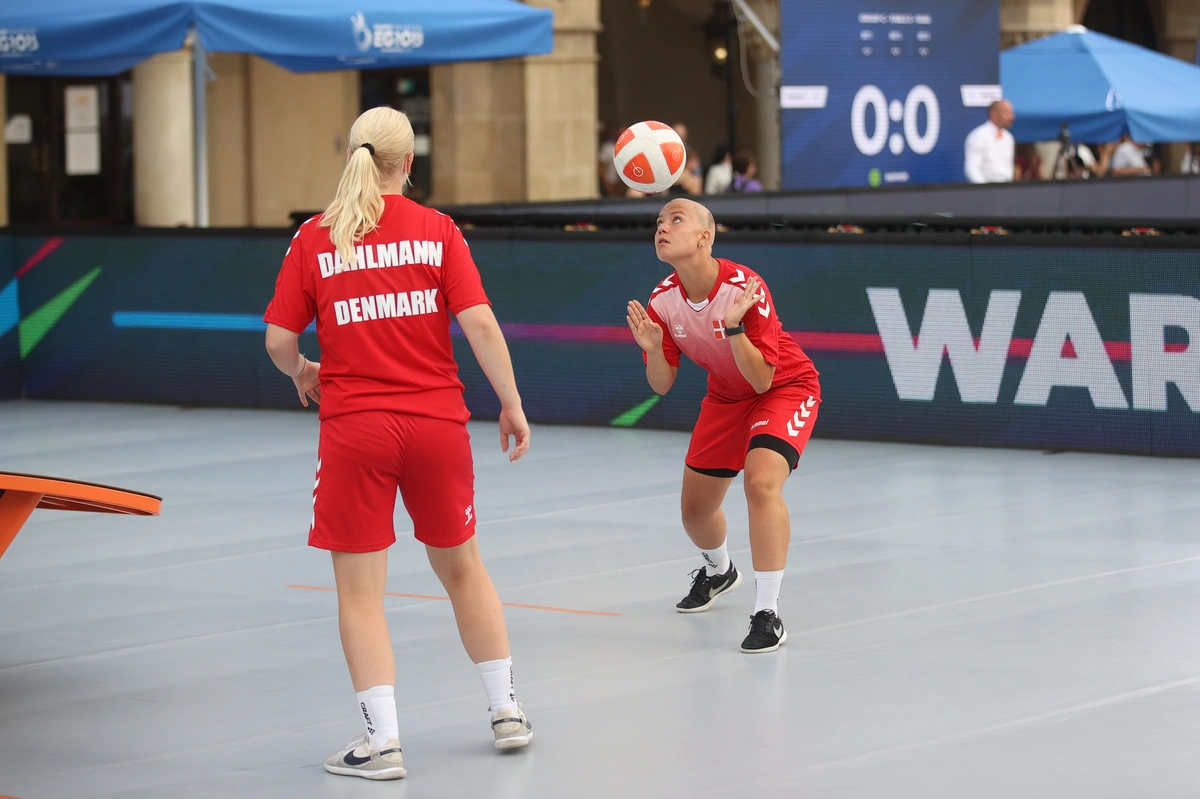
(107, 37)
(1101, 88)
(322, 35)
(94, 37)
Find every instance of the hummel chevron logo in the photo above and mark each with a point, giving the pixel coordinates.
(764, 307)
(798, 422)
(741, 277)
(799, 416)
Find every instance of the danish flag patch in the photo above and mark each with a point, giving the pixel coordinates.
(719, 330)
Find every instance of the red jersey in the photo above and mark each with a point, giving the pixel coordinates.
(384, 323)
(698, 331)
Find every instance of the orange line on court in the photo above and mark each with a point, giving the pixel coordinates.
(447, 599)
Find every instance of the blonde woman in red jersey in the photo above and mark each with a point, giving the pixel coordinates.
(382, 275)
(760, 409)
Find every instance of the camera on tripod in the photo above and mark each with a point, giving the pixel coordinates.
(1067, 164)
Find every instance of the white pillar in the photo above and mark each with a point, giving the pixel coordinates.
(764, 64)
(766, 80)
(164, 143)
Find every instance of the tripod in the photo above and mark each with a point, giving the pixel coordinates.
(1068, 154)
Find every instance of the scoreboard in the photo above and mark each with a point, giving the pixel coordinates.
(885, 91)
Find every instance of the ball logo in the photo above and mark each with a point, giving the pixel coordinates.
(385, 36)
(895, 111)
(18, 42)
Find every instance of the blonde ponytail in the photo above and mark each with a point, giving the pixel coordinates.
(381, 141)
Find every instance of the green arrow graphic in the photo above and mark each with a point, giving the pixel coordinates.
(635, 414)
(38, 323)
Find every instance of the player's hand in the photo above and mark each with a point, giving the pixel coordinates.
(512, 423)
(308, 383)
(646, 332)
(750, 297)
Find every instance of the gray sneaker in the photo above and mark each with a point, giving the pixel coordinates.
(511, 728)
(359, 759)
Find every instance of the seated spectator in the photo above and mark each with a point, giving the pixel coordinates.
(1029, 163)
(745, 167)
(720, 171)
(1129, 158)
(693, 180)
(690, 182)
(609, 179)
(1191, 160)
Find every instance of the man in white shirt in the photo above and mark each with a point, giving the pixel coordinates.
(1129, 158)
(989, 148)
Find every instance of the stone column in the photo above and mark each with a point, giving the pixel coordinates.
(1025, 20)
(229, 141)
(297, 126)
(1181, 27)
(521, 129)
(561, 106)
(765, 69)
(466, 162)
(164, 178)
(3, 156)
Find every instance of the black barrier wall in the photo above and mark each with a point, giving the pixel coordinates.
(957, 339)
(10, 316)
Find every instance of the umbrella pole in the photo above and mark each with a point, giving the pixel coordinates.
(200, 103)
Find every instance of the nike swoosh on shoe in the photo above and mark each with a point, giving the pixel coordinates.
(351, 759)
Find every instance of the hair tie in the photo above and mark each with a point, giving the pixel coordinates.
(368, 147)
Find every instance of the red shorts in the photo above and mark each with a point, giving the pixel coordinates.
(721, 437)
(363, 457)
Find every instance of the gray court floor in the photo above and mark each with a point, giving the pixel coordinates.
(963, 623)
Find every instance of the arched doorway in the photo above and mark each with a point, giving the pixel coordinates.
(1130, 20)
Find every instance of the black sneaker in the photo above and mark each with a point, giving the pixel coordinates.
(705, 589)
(766, 633)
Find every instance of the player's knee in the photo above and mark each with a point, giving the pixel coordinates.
(696, 511)
(457, 566)
(762, 487)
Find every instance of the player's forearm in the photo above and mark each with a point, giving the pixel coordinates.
(487, 342)
(659, 374)
(284, 348)
(751, 364)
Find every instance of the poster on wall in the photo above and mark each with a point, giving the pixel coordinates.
(82, 124)
(879, 92)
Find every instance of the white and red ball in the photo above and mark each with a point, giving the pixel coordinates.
(649, 157)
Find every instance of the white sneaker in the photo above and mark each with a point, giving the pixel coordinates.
(360, 759)
(511, 728)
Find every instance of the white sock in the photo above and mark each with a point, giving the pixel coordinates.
(378, 706)
(767, 585)
(497, 676)
(716, 560)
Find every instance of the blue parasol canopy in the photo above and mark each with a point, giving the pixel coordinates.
(1101, 88)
